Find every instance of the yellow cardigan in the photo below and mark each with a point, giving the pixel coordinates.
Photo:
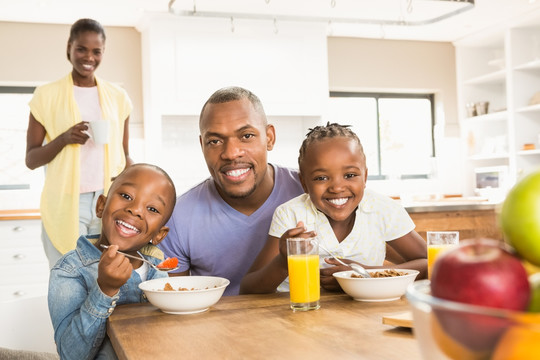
(53, 106)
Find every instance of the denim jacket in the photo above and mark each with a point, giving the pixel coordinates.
(79, 309)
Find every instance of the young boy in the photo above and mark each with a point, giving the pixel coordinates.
(349, 220)
(87, 283)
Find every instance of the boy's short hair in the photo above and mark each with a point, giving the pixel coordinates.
(158, 169)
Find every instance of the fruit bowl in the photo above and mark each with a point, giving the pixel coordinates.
(451, 330)
(375, 289)
(196, 294)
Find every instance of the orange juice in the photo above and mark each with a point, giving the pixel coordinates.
(304, 278)
(433, 251)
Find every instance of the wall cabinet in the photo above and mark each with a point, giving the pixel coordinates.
(24, 267)
(502, 68)
(184, 60)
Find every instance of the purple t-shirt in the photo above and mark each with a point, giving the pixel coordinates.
(209, 237)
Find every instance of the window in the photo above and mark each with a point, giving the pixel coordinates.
(396, 131)
(14, 175)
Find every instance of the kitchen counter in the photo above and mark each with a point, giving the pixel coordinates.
(413, 207)
(20, 214)
(472, 217)
(459, 204)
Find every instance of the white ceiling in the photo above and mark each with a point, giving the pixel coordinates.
(485, 14)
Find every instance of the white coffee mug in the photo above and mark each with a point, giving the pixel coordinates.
(100, 131)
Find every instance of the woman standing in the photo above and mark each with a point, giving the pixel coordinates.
(78, 169)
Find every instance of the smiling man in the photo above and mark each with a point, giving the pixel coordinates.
(219, 226)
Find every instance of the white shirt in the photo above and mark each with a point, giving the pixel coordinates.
(378, 219)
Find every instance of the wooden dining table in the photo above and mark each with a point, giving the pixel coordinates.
(264, 327)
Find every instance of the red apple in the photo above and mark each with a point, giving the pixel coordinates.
(479, 272)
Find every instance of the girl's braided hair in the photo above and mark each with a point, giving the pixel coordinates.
(330, 130)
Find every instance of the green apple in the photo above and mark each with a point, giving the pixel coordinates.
(520, 218)
(534, 305)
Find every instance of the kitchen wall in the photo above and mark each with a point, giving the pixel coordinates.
(34, 54)
(397, 66)
(38, 56)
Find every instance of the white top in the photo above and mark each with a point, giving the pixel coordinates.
(378, 219)
(92, 155)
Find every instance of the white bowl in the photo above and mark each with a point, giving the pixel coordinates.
(375, 289)
(207, 290)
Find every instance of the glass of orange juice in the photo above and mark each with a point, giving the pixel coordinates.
(303, 262)
(438, 242)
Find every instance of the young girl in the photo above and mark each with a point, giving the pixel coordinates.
(87, 283)
(348, 219)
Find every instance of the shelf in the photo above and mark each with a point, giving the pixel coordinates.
(498, 138)
(489, 156)
(531, 65)
(529, 109)
(497, 77)
(497, 63)
(495, 116)
(529, 152)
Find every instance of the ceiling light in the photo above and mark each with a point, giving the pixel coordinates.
(381, 12)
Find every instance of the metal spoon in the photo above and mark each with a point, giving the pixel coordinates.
(142, 259)
(356, 268)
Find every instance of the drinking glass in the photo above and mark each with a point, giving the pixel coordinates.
(438, 242)
(304, 283)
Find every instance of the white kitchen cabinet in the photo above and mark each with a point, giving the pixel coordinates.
(24, 267)
(184, 60)
(501, 67)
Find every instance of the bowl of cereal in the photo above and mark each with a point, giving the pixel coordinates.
(383, 285)
(184, 294)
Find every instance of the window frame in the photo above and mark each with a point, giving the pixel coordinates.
(380, 95)
(17, 89)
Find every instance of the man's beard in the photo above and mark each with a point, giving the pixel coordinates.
(242, 195)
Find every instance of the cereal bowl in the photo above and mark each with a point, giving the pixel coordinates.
(189, 294)
(452, 330)
(375, 288)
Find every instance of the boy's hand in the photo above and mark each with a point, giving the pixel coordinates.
(114, 270)
(299, 231)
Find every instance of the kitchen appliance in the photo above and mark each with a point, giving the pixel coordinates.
(491, 182)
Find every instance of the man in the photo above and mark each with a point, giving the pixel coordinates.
(219, 226)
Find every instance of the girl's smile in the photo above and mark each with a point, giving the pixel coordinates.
(339, 201)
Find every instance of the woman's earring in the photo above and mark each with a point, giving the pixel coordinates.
(150, 241)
